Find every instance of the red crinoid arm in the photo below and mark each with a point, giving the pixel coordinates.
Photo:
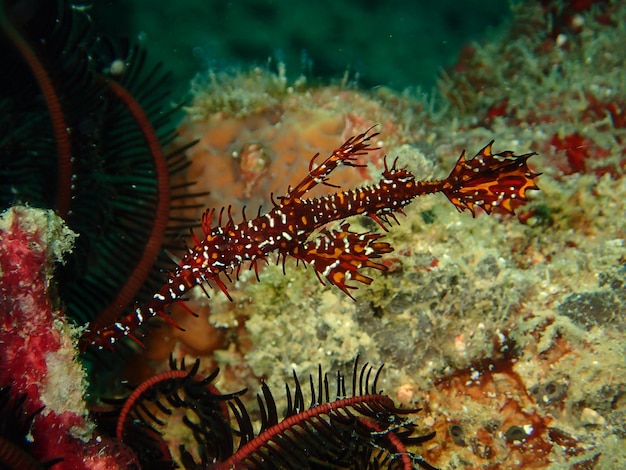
(346, 154)
(339, 255)
(489, 181)
(59, 123)
(153, 244)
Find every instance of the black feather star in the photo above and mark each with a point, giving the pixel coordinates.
(362, 429)
(16, 445)
(83, 127)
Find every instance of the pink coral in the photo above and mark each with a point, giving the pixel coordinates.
(38, 354)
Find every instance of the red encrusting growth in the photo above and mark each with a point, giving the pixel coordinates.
(490, 181)
(37, 354)
(580, 150)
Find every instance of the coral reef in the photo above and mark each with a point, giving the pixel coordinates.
(38, 356)
(549, 288)
(506, 330)
(254, 129)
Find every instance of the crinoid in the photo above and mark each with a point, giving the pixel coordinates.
(151, 415)
(16, 446)
(84, 128)
(361, 430)
(356, 429)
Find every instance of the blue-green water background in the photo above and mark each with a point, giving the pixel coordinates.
(394, 43)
